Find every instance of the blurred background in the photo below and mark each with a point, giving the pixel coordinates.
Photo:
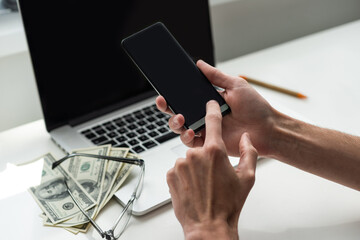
(239, 27)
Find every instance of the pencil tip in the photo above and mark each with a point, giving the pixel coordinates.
(299, 95)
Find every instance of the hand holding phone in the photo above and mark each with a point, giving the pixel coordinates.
(173, 74)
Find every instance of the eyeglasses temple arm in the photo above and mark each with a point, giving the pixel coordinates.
(138, 162)
(86, 215)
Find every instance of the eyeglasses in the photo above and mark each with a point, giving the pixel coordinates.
(123, 220)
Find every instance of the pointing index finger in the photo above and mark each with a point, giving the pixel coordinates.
(213, 121)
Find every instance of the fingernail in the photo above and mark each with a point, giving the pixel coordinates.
(247, 137)
(211, 102)
(186, 136)
(176, 121)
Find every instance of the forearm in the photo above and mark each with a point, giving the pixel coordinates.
(324, 152)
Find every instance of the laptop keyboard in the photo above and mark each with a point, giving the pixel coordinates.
(140, 130)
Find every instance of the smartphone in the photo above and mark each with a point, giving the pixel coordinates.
(173, 74)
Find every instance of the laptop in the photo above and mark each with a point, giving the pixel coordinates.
(90, 91)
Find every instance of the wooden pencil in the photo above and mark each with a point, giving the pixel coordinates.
(273, 87)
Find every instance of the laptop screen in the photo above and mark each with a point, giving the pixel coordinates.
(80, 68)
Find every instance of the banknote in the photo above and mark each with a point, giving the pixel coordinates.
(99, 179)
(90, 173)
(112, 172)
(121, 177)
(52, 196)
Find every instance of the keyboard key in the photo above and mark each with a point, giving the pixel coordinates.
(124, 145)
(166, 137)
(96, 128)
(122, 130)
(130, 119)
(133, 142)
(150, 119)
(121, 139)
(112, 135)
(140, 131)
(153, 134)
(112, 142)
(138, 149)
(132, 126)
(99, 140)
(110, 127)
(100, 131)
(143, 138)
(149, 144)
(86, 132)
(139, 116)
(148, 112)
(90, 135)
(160, 123)
(151, 127)
(160, 115)
(131, 135)
(141, 123)
(163, 130)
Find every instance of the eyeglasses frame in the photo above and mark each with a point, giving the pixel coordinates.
(109, 234)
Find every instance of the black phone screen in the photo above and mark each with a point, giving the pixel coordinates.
(171, 71)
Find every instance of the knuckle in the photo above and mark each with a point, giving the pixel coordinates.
(214, 147)
(249, 177)
(171, 121)
(175, 128)
(180, 165)
(190, 153)
(252, 151)
(184, 137)
(170, 175)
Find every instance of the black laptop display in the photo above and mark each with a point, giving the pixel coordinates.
(80, 68)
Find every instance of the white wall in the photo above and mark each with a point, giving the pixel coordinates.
(19, 101)
(244, 26)
(239, 27)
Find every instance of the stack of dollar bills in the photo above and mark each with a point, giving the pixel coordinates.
(92, 181)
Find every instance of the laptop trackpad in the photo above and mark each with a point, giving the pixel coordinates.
(180, 150)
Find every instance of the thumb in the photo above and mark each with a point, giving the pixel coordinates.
(248, 155)
(215, 76)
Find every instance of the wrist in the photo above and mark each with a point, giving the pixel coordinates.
(211, 230)
(286, 135)
(270, 133)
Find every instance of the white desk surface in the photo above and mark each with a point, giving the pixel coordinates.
(285, 203)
